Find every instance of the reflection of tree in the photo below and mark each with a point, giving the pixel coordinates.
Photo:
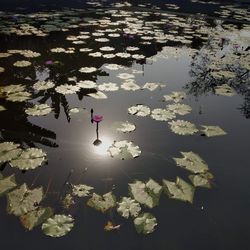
(204, 70)
(15, 126)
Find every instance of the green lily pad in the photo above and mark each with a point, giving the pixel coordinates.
(38, 110)
(179, 190)
(36, 217)
(7, 184)
(108, 87)
(182, 127)
(125, 127)
(175, 96)
(68, 201)
(9, 151)
(139, 110)
(162, 115)
(192, 162)
(145, 223)
(124, 150)
(58, 225)
(201, 180)
(211, 131)
(19, 96)
(43, 85)
(130, 85)
(2, 108)
(127, 207)
(66, 89)
(224, 90)
(102, 203)
(30, 158)
(23, 200)
(98, 95)
(81, 190)
(147, 194)
(180, 109)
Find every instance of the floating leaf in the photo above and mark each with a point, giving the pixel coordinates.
(108, 87)
(175, 96)
(67, 89)
(125, 127)
(2, 108)
(98, 95)
(211, 131)
(9, 151)
(162, 114)
(179, 190)
(22, 64)
(124, 150)
(13, 88)
(192, 162)
(102, 203)
(125, 76)
(147, 194)
(19, 97)
(7, 184)
(86, 84)
(38, 110)
(224, 90)
(58, 225)
(182, 127)
(201, 180)
(127, 207)
(87, 69)
(30, 158)
(151, 86)
(139, 110)
(81, 190)
(23, 200)
(130, 85)
(68, 201)
(36, 217)
(145, 223)
(43, 85)
(180, 109)
(2, 69)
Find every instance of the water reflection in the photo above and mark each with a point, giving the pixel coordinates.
(101, 148)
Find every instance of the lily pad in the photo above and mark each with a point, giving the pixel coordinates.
(2, 108)
(124, 150)
(102, 203)
(81, 190)
(67, 89)
(175, 96)
(86, 84)
(201, 180)
(98, 95)
(125, 127)
(192, 162)
(211, 131)
(30, 158)
(58, 225)
(87, 69)
(147, 194)
(179, 190)
(7, 184)
(130, 85)
(108, 87)
(9, 151)
(38, 110)
(151, 86)
(182, 127)
(127, 207)
(23, 200)
(43, 85)
(162, 114)
(224, 90)
(36, 217)
(22, 64)
(145, 223)
(139, 110)
(180, 109)
(19, 97)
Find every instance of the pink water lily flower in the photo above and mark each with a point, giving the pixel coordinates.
(97, 118)
(49, 62)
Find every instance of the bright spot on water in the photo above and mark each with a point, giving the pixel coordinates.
(102, 148)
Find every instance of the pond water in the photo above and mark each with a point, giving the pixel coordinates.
(102, 61)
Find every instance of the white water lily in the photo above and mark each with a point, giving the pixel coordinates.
(127, 207)
(145, 223)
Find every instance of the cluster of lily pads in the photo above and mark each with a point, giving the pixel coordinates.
(24, 202)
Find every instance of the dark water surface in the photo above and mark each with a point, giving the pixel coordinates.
(217, 219)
